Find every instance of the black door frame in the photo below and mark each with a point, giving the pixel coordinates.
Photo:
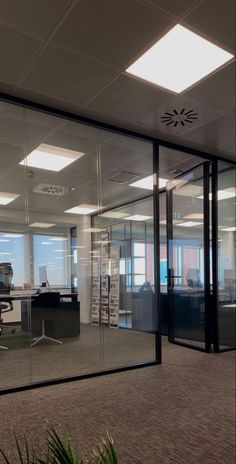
(206, 235)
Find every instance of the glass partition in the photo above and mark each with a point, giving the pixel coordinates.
(69, 270)
(128, 232)
(226, 255)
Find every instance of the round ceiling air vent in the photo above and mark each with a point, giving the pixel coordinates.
(176, 118)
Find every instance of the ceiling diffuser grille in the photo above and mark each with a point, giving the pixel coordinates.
(176, 118)
(49, 189)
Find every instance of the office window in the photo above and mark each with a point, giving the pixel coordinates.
(50, 260)
(12, 250)
(139, 264)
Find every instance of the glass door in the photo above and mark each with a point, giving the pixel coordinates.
(188, 273)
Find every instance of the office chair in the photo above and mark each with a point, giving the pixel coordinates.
(6, 273)
(39, 308)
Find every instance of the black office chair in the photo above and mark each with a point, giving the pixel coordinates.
(41, 309)
(6, 274)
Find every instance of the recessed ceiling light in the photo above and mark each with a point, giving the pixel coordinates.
(228, 229)
(194, 216)
(83, 209)
(58, 239)
(50, 158)
(6, 198)
(138, 217)
(114, 215)
(189, 224)
(147, 183)
(13, 235)
(179, 59)
(92, 229)
(223, 194)
(43, 225)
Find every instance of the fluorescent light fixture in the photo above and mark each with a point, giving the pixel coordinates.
(50, 158)
(147, 183)
(43, 225)
(4, 240)
(13, 235)
(138, 217)
(61, 251)
(194, 216)
(58, 239)
(83, 209)
(6, 198)
(189, 224)
(114, 215)
(79, 246)
(4, 253)
(46, 243)
(223, 194)
(228, 229)
(178, 60)
(92, 229)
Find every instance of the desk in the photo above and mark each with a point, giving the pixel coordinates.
(26, 296)
(60, 322)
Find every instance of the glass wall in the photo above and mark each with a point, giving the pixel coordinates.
(77, 273)
(129, 287)
(227, 254)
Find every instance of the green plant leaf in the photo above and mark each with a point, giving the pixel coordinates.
(4, 457)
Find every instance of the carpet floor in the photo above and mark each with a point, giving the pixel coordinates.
(182, 411)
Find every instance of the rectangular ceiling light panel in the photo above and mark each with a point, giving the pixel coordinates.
(83, 209)
(114, 215)
(189, 224)
(6, 198)
(178, 60)
(147, 183)
(50, 158)
(43, 225)
(138, 217)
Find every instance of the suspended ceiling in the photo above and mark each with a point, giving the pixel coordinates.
(72, 55)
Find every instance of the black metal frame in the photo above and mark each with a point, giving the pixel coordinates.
(215, 295)
(206, 235)
(156, 144)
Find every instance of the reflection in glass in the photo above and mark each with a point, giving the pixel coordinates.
(227, 254)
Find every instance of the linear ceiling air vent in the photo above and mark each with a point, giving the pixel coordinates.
(175, 118)
(176, 172)
(49, 189)
(123, 177)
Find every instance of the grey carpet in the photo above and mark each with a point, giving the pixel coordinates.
(181, 412)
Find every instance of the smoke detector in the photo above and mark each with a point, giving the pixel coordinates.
(176, 118)
(49, 189)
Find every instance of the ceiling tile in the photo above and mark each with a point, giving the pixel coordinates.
(215, 19)
(217, 90)
(214, 135)
(16, 50)
(63, 74)
(180, 105)
(230, 148)
(37, 17)
(174, 7)
(115, 32)
(131, 99)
